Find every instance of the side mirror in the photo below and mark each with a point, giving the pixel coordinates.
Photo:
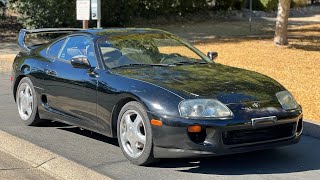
(80, 61)
(212, 55)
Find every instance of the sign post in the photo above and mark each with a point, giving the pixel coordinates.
(96, 11)
(83, 12)
(250, 18)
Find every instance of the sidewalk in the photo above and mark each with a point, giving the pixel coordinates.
(20, 159)
(13, 168)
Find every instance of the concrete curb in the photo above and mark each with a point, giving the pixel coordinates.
(42, 159)
(311, 128)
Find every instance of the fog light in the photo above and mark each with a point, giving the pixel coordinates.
(197, 133)
(194, 129)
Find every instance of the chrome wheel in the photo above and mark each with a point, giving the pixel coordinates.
(25, 101)
(132, 133)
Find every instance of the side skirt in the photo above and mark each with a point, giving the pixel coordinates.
(50, 114)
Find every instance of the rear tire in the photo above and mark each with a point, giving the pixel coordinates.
(135, 134)
(27, 103)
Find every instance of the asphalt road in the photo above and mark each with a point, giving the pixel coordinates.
(102, 154)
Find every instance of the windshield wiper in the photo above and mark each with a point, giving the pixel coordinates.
(139, 65)
(189, 62)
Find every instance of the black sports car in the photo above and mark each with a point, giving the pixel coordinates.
(159, 95)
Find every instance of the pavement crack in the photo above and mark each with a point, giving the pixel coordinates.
(45, 162)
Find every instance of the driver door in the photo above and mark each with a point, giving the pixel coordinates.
(72, 92)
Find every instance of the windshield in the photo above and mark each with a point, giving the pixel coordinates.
(148, 49)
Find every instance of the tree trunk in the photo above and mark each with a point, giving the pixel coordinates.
(281, 34)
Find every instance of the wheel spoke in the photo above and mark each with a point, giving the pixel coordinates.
(134, 148)
(29, 110)
(141, 138)
(126, 140)
(137, 123)
(29, 100)
(124, 137)
(21, 94)
(128, 120)
(26, 91)
(23, 108)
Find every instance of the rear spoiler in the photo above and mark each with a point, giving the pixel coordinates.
(24, 32)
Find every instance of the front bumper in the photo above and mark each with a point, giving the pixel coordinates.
(220, 137)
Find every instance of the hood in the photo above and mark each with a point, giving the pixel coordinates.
(225, 83)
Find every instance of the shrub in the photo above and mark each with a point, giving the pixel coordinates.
(2, 9)
(269, 5)
(45, 13)
(299, 3)
(230, 4)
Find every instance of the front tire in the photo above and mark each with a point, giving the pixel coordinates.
(135, 134)
(26, 99)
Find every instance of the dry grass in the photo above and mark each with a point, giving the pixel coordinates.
(6, 62)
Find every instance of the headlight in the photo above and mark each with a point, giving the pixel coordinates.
(203, 108)
(286, 100)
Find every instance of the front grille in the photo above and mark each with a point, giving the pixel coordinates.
(258, 134)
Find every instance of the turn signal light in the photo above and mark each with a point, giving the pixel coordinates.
(194, 129)
(156, 122)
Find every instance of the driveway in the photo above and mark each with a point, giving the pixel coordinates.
(102, 154)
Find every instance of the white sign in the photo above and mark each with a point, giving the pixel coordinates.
(83, 9)
(95, 9)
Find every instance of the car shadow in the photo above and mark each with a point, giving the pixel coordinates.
(93, 135)
(300, 157)
(79, 131)
(272, 161)
(53, 124)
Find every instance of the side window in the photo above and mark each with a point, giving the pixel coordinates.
(79, 45)
(54, 49)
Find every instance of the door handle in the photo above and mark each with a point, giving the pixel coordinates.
(51, 73)
(93, 74)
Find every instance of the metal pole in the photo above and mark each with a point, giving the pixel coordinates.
(99, 23)
(100, 15)
(85, 24)
(250, 18)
